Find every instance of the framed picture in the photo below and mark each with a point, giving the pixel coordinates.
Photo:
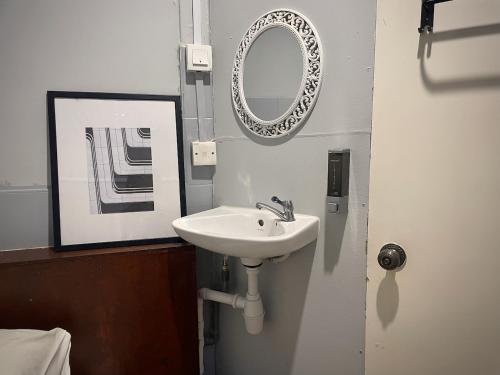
(117, 168)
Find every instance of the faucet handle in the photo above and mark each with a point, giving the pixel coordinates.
(286, 204)
(275, 199)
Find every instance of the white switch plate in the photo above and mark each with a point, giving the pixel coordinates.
(204, 153)
(198, 58)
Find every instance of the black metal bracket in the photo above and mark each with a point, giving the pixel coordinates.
(427, 15)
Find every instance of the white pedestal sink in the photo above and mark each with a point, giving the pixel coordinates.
(247, 233)
(252, 235)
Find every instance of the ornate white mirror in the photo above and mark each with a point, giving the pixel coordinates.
(277, 73)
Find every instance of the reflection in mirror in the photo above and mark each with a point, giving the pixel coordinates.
(273, 73)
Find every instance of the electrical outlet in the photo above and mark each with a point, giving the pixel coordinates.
(204, 153)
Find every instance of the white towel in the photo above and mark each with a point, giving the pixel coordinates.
(32, 352)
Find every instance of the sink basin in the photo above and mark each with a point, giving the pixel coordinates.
(247, 232)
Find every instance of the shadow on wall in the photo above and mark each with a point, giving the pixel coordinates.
(460, 84)
(334, 234)
(388, 299)
(288, 308)
(283, 291)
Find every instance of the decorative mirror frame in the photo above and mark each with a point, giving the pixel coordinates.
(312, 54)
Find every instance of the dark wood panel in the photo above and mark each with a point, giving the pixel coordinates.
(129, 310)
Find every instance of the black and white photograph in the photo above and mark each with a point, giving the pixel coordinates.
(119, 165)
(120, 170)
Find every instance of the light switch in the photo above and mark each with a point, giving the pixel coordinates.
(198, 58)
(204, 153)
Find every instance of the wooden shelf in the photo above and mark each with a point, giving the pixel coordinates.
(42, 254)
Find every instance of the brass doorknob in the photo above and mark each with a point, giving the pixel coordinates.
(391, 256)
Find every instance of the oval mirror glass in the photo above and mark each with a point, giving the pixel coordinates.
(273, 73)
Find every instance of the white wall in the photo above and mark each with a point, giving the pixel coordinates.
(92, 45)
(315, 301)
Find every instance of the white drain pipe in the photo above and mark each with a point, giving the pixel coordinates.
(233, 300)
(253, 310)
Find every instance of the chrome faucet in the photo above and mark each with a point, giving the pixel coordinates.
(286, 215)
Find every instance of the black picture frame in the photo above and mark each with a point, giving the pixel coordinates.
(52, 132)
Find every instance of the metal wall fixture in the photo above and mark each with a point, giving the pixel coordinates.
(427, 15)
(337, 199)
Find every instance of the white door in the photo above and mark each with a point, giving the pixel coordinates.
(435, 190)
